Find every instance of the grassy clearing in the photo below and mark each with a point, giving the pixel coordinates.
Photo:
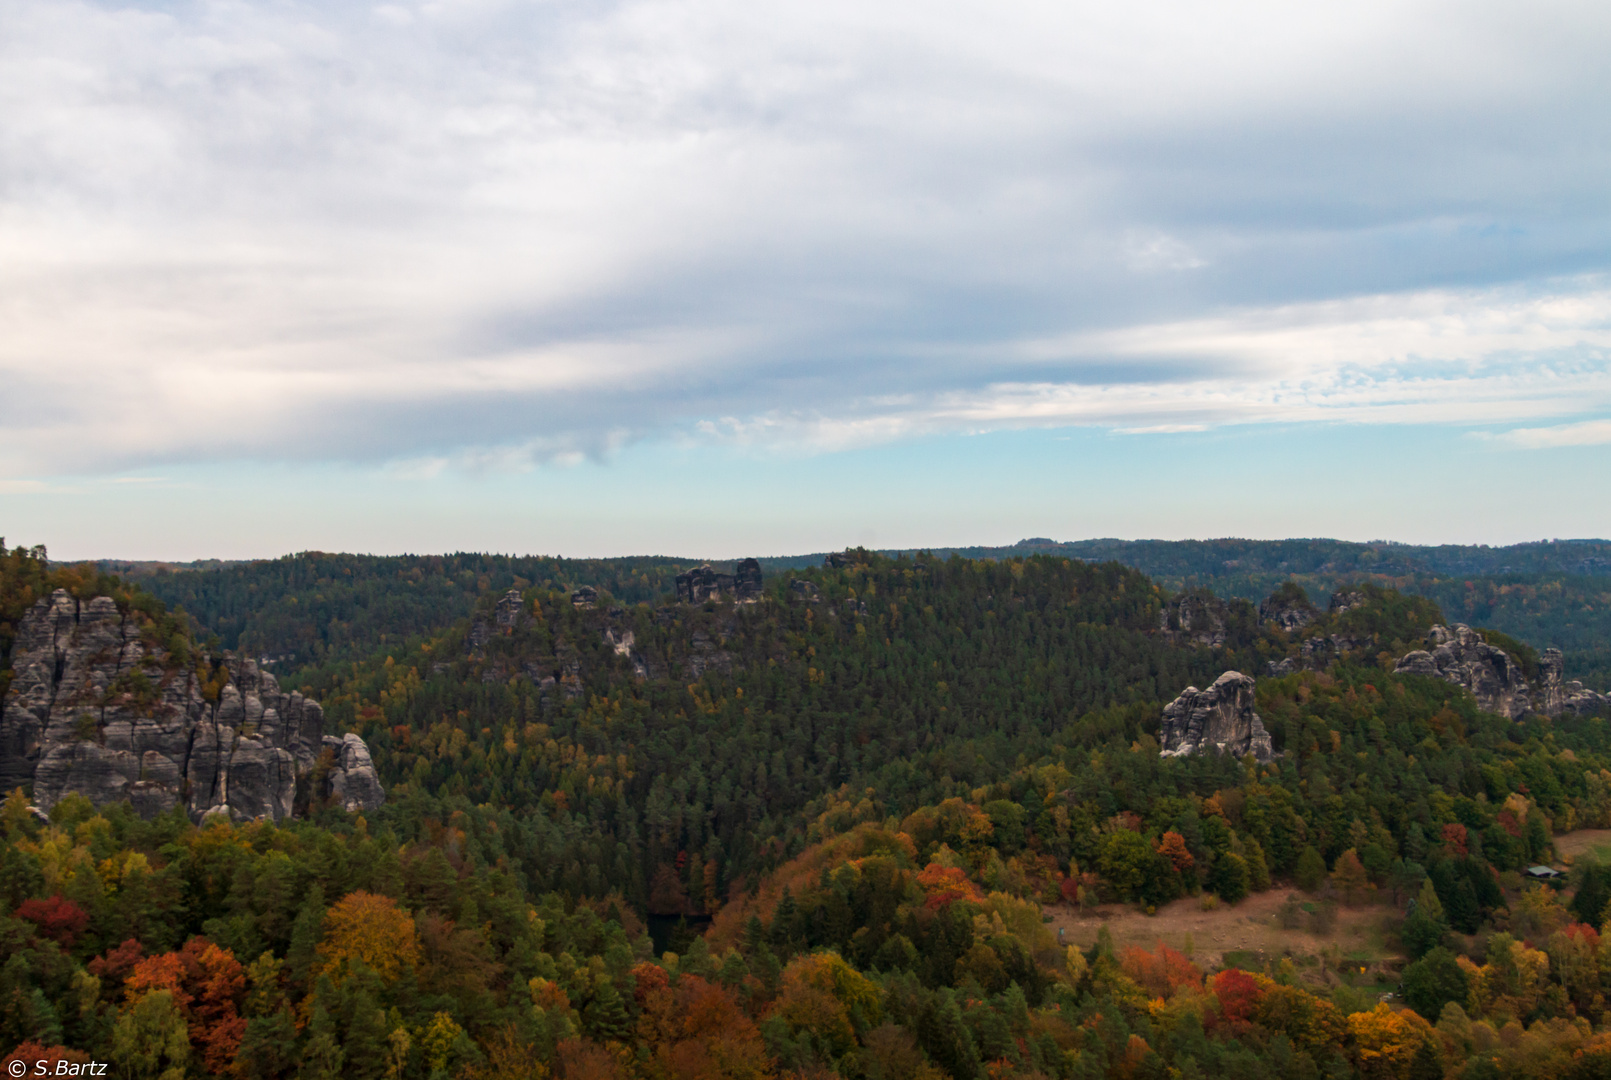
(1355, 951)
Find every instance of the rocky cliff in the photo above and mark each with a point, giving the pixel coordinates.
(702, 583)
(1459, 655)
(97, 708)
(1220, 718)
(1195, 618)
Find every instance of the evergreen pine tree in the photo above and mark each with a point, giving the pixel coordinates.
(1311, 869)
(306, 932)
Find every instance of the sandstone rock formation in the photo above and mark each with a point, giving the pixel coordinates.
(97, 708)
(352, 777)
(1220, 718)
(1195, 619)
(1554, 695)
(703, 583)
(803, 591)
(1289, 609)
(585, 597)
(1459, 655)
(1343, 599)
(510, 611)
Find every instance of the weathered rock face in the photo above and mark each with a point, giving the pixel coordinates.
(510, 611)
(1344, 599)
(702, 583)
(1459, 655)
(1554, 695)
(1219, 719)
(97, 709)
(352, 778)
(1290, 612)
(804, 592)
(1195, 619)
(585, 597)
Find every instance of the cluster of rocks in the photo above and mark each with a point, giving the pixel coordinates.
(1461, 656)
(1293, 613)
(702, 583)
(1221, 718)
(1290, 610)
(1196, 618)
(96, 709)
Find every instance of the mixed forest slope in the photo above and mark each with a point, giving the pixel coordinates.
(871, 780)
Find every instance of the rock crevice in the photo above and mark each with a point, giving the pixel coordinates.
(1221, 719)
(96, 709)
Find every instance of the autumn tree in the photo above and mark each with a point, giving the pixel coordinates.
(371, 928)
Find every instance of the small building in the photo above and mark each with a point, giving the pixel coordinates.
(1543, 873)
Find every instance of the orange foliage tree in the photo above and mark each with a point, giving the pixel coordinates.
(1160, 974)
(946, 884)
(1385, 1040)
(1172, 846)
(695, 1030)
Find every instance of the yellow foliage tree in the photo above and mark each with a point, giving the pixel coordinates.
(1385, 1040)
(373, 929)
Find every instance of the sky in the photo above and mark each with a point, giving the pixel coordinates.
(701, 277)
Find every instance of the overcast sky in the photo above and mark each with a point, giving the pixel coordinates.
(720, 278)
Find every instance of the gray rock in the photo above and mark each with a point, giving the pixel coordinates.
(1289, 613)
(351, 779)
(1555, 695)
(98, 710)
(1195, 619)
(511, 611)
(1459, 655)
(1220, 718)
(747, 581)
(804, 592)
(585, 597)
(1344, 599)
(701, 584)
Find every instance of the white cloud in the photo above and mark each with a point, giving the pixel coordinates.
(501, 234)
(1583, 433)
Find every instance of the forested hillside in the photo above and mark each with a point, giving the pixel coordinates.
(1555, 593)
(313, 607)
(872, 779)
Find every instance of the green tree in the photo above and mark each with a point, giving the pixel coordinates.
(151, 1040)
(1433, 981)
(1311, 869)
(1229, 877)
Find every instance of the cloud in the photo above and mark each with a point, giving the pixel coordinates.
(500, 234)
(1583, 433)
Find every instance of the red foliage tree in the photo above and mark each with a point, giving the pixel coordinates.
(1239, 994)
(945, 884)
(116, 965)
(57, 917)
(1454, 839)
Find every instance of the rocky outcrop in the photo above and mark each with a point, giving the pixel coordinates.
(802, 591)
(510, 611)
(98, 708)
(351, 780)
(1344, 599)
(703, 583)
(1289, 609)
(1220, 719)
(1195, 619)
(1459, 655)
(585, 597)
(1555, 695)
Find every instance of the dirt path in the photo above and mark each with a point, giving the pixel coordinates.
(1250, 927)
